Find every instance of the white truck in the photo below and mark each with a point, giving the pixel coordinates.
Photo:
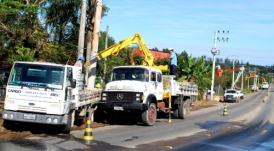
(144, 91)
(47, 93)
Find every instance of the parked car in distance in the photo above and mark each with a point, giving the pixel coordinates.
(265, 85)
(209, 92)
(232, 95)
(241, 94)
(255, 88)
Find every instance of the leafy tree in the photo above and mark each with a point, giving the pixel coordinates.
(194, 68)
(21, 27)
(165, 50)
(155, 48)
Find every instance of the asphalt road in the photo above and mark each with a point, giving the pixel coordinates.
(248, 126)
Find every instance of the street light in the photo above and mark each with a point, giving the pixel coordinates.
(214, 52)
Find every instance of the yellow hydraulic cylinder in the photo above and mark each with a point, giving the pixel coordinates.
(169, 106)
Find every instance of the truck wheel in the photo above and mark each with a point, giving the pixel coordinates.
(187, 103)
(149, 116)
(176, 113)
(67, 127)
(7, 124)
(182, 110)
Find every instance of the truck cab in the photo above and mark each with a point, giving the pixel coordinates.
(133, 88)
(136, 85)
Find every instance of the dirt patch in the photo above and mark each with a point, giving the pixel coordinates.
(13, 135)
(203, 104)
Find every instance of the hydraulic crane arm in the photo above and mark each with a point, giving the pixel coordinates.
(238, 76)
(252, 76)
(264, 80)
(220, 71)
(135, 39)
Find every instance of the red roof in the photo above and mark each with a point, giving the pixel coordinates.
(156, 54)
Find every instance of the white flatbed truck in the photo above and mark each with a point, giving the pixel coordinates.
(47, 93)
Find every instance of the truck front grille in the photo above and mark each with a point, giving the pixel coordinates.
(32, 109)
(120, 96)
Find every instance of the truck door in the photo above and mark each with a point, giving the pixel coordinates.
(157, 87)
(67, 84)
(160, 89)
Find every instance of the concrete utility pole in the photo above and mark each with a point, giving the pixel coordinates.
(248, 84)
(214, 52)
(94, 47)
(233, 66)
(242, 84)
(81, 39)
(106, 46)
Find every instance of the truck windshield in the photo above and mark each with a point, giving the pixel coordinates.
(133, 74)
(31, 75)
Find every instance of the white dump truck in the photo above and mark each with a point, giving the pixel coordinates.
(145, 91)
(47, 93)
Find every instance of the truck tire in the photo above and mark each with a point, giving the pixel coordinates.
(149, 116)
(176, 109)
(7, 124)
(67, 127)
(187, 103)
(176, 113)
(182, 111)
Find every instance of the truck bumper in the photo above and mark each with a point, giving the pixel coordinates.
(123, 106)
(34, 117)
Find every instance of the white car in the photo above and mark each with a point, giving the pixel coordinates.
(232, 95)
(209, 92)
(255, 88)
(265, 85)
(241, 94)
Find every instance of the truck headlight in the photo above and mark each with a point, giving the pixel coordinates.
(55, 121)
(48, 120)
(11, 116)
(5, 116)
(139, 97)
(104, 97)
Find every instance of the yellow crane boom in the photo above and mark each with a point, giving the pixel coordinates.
(135, 39)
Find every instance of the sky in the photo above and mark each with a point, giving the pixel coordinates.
(191, 26)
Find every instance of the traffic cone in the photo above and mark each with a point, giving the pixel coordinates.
(88, 138)
(225, 111)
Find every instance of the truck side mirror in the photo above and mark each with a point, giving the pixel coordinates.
(73, 83)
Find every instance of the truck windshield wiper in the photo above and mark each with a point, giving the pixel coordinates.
(24, 85)
(47, 87)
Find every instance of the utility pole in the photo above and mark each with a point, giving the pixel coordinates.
(81, 38)
(94, 47)
(233, 66)
(214, 52)
(242, 82)
(248, 84)
(106, 46)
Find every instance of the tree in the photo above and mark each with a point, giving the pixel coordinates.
(166, 50)
(21, 28)
(194, 68)
(155, 48)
